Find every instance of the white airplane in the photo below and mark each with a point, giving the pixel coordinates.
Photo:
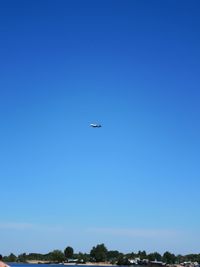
(94, 125)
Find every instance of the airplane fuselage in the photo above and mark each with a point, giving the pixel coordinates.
(95, 125)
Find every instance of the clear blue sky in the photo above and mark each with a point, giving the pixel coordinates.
(132, 66)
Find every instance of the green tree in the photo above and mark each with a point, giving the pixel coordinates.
(99, 253)
(35, 256)
(169, 258)
(132, 255)
(57, 256)
(82, 257)
(180, 259)
(154, 256)
(123, 261)
(69, 252)
(22, 257)
(113, 254)
(142, 254)
(11, 258)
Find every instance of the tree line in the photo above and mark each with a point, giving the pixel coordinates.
(100, 253)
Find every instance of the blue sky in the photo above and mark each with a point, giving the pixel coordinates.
(132, 66)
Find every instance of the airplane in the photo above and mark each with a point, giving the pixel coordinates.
(94, 125)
